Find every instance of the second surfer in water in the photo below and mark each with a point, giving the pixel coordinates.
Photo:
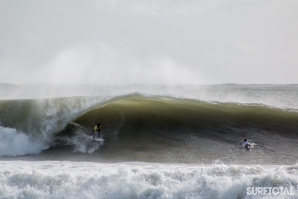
(96, 129)
(246, 144)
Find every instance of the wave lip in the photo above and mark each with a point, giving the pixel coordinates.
(279, 96)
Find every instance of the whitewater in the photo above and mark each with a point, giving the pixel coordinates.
(160, 141)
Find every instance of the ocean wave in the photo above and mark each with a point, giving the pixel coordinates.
(278, 96)
(151, 128)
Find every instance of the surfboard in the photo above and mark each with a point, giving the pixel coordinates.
(86, 133)
(96, 139)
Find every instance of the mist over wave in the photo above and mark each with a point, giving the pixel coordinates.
(280, 96)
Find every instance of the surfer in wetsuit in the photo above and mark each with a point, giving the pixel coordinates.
(246, 144)
(96, 129)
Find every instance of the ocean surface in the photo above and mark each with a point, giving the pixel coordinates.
(160, 141)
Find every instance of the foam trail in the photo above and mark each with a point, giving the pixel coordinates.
(82, 143)
(13, 143)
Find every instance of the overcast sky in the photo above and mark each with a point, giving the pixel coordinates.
(149, 41)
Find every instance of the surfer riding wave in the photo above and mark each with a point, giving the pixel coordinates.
(96, 129)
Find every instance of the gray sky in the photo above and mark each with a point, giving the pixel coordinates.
(149, 41)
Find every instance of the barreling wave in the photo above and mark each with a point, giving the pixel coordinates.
(28, 126)
(148, 128)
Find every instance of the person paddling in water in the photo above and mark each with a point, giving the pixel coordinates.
(246, 144)
(96, 129)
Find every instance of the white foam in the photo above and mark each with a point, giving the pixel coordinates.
(83, 144)
(13, 143)
(136, 180)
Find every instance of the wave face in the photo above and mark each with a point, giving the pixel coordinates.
(151, 127)
(169, 130)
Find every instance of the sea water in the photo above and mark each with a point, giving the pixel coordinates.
(160, 142)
